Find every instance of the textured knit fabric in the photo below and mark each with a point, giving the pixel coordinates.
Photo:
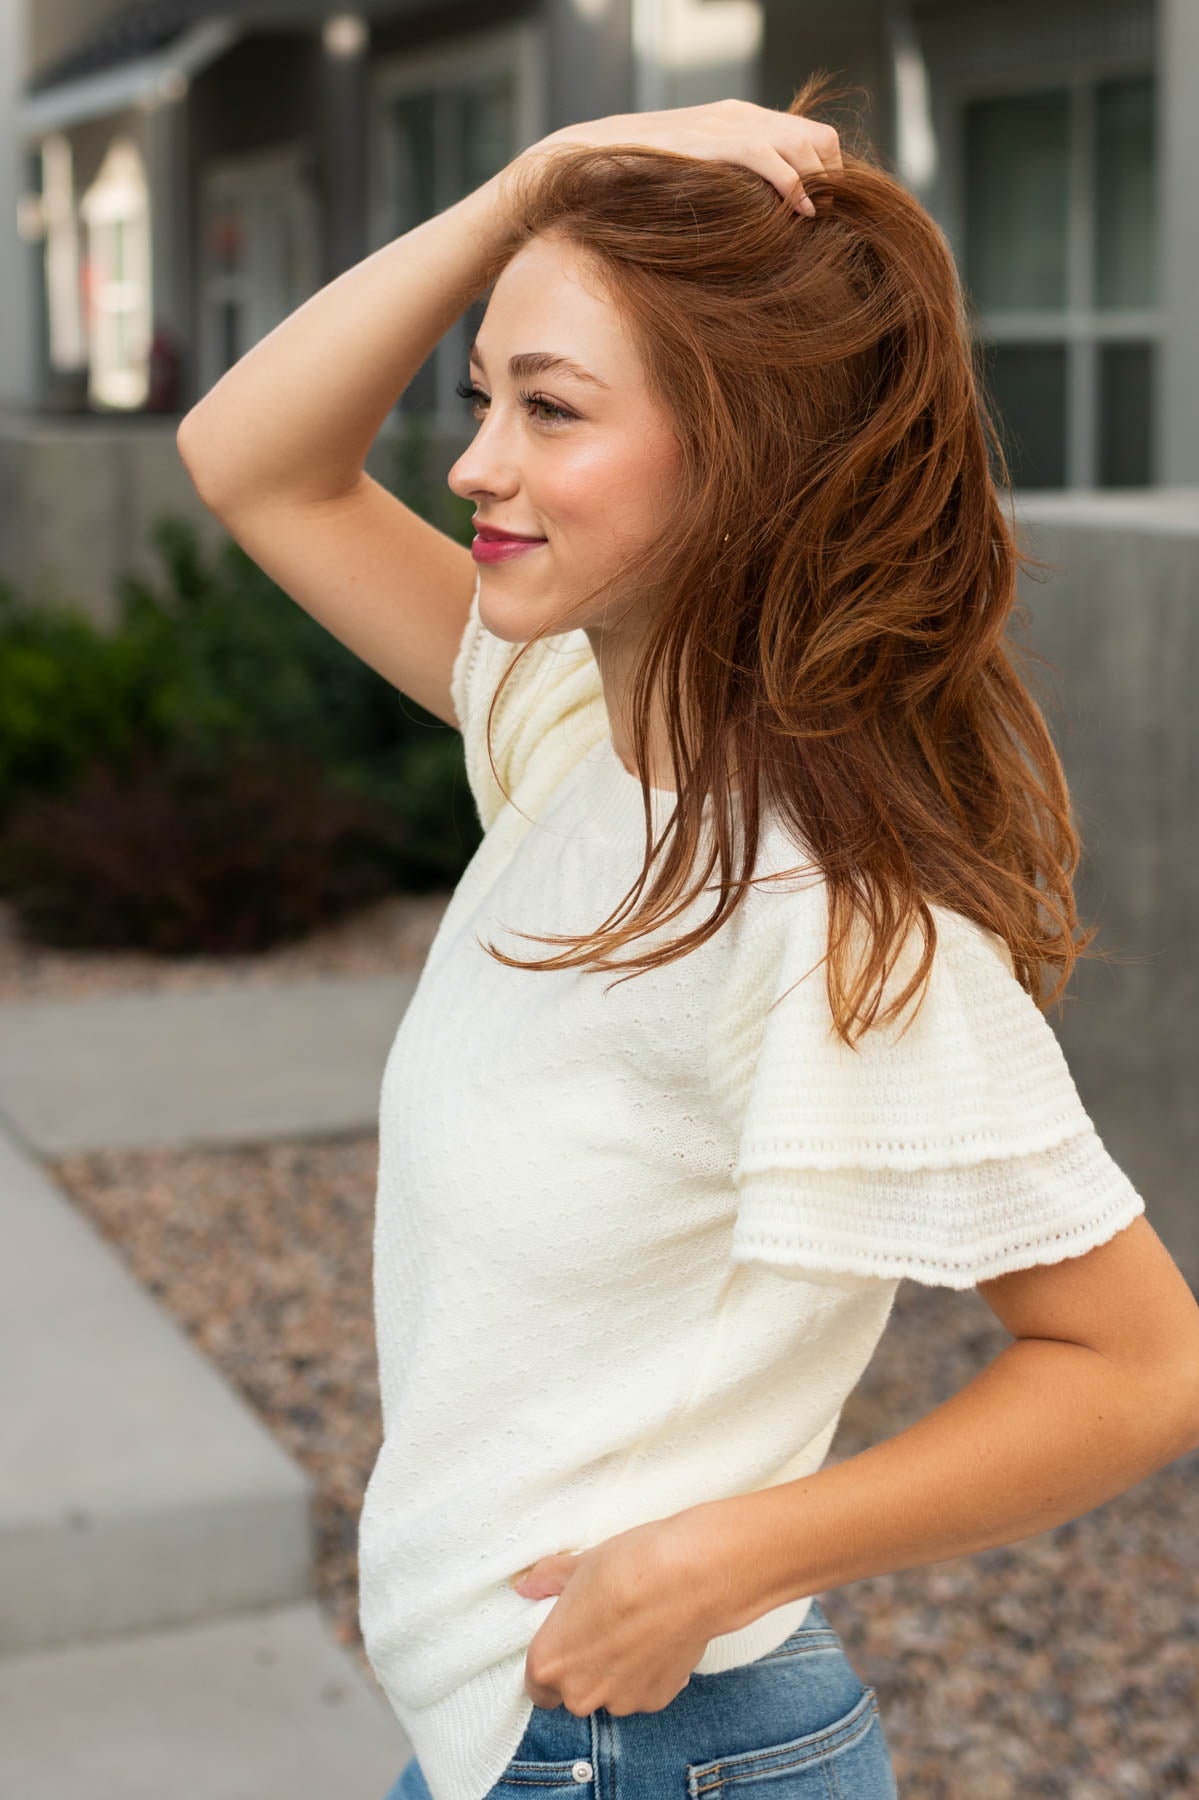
(637, 1239)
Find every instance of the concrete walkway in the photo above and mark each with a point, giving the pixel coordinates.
(224, 1065)
(158, 1632)
(263, 1706)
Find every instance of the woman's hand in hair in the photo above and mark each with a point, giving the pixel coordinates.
(782, 147)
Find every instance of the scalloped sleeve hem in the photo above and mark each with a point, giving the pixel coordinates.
(944, 1227)
(949, 1147)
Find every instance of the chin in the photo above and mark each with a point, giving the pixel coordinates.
(507, 613)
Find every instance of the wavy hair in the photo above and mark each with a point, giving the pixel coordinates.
(829, 597)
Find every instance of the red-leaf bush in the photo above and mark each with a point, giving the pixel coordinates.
(182, 854)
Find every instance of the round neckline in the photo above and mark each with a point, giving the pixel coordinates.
(628, 773)
(614, 793)
(635, 780)
(611, 797)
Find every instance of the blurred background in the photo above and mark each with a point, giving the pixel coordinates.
(225, 844)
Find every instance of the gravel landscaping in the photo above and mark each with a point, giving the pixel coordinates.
(1066, 1665)
(395, 933)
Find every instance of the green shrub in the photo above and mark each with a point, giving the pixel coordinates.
(208, 668)
(67, 694)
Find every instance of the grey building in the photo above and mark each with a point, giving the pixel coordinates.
(188, 171)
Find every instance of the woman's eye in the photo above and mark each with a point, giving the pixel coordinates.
(533, 403)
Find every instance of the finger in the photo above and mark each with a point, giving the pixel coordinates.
(826, 142)
(539, 1692)
(787, 177)
(809, 137)
(545, 1697)
(804, 157)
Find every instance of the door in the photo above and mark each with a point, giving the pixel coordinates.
(259, 252)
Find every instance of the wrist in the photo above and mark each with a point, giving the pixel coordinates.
(725, 1559)
(508, 183)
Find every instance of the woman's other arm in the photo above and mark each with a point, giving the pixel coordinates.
(1098, 1391)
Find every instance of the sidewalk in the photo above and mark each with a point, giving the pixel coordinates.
(156, 1610)
(223, 1065)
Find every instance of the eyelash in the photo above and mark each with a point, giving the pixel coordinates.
(467, 390)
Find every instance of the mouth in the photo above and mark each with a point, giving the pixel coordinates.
(495, 550)
(491, 534)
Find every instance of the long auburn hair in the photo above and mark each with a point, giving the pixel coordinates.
(830, 593)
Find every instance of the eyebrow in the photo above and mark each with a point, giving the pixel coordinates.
(541, 362)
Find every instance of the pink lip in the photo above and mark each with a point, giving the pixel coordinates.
(500, 549)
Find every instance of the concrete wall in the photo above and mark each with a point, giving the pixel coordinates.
(1118, 616)
(78, 500)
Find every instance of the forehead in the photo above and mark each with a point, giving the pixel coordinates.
(547, 298)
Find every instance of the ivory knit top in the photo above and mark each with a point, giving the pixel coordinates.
(636, 1240)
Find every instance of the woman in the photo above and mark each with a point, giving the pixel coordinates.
(637, 1239)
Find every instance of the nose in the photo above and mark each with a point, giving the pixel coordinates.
(485, 470)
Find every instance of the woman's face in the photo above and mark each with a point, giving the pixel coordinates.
(594, 478)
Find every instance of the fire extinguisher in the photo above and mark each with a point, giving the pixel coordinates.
(164, 371)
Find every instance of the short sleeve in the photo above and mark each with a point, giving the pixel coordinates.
(550, 712)
(955, 1152)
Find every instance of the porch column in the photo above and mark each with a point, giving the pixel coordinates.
(1178, 375)
(165, 149)
(21, 247)
(686, 52)
(343, 142)
(589, 60)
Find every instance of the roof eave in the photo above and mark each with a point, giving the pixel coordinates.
(141, 81)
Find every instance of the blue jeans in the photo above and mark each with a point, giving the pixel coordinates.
(798, 1720)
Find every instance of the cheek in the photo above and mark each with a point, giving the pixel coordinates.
(612, 492)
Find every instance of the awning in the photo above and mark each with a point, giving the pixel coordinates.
(107, 75)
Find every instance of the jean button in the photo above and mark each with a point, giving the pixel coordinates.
(582, 1771)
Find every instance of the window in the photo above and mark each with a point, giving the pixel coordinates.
(1059, 258)
(444, 122)
(116, 214)
(64, 293)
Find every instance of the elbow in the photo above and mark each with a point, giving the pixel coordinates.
(1179, 1384)
(193, 462)
(1182, 1376)
(1159, 1403)
(184, 444)
(1194, 1378)
(185, 433)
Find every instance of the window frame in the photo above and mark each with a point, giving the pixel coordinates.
(1084, 328)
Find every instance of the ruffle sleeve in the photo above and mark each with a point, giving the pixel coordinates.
(549, 714)
(950, 1153)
